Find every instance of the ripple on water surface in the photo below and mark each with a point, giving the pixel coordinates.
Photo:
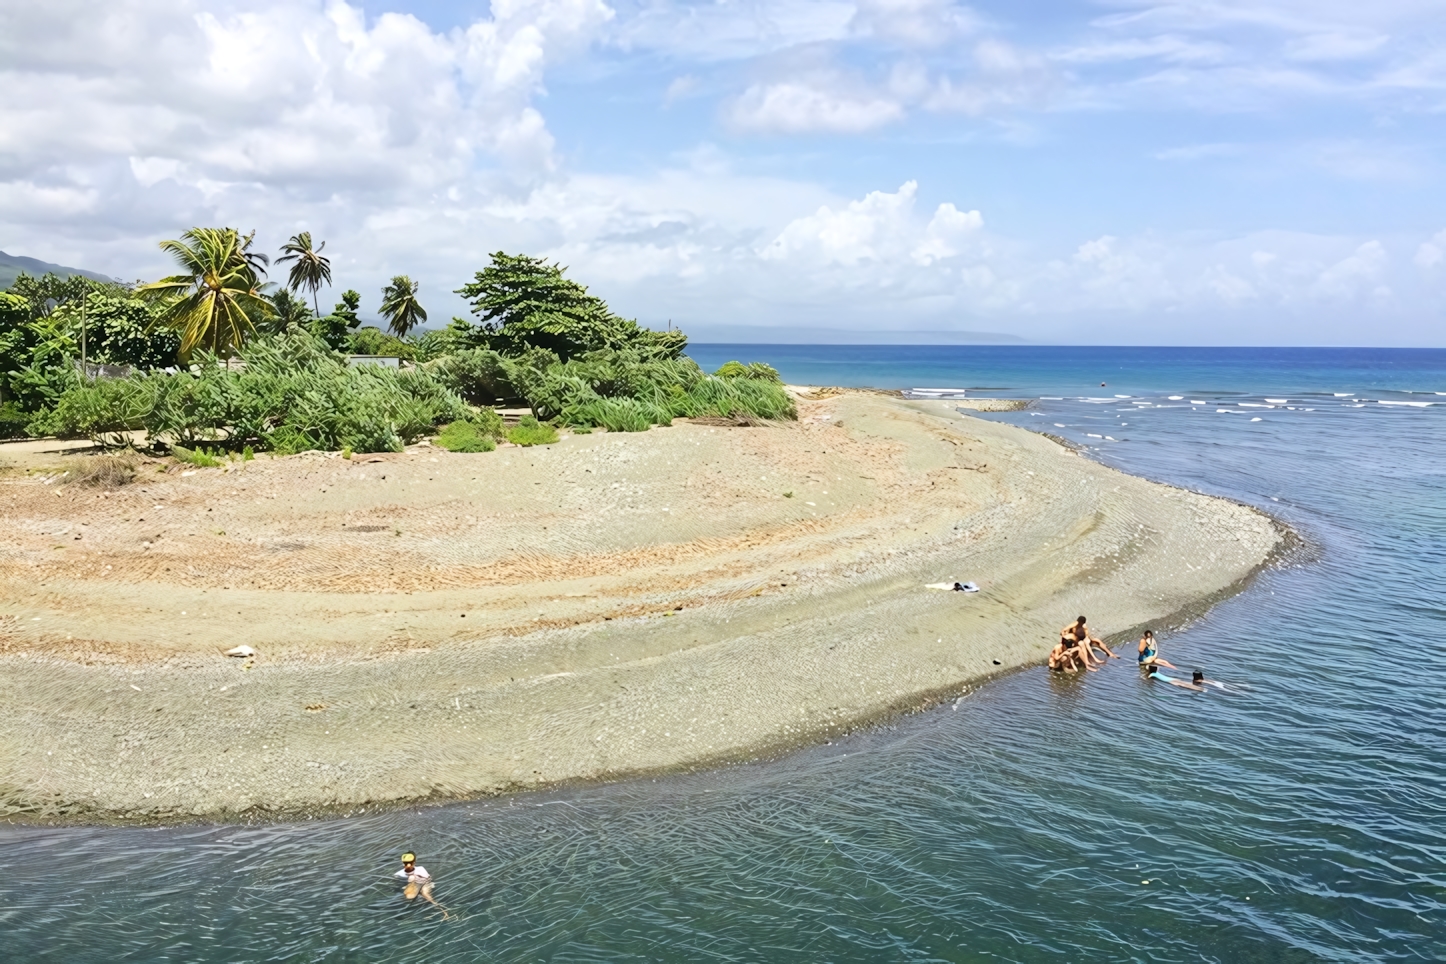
(1297, 817)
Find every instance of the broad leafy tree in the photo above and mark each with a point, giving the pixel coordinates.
(335, 328)
(309, 269)
(524, 302)
(400, 306)
(215, 301)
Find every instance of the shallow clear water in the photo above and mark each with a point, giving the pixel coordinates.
(1297, 817)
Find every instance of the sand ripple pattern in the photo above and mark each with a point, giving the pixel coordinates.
(434, 626)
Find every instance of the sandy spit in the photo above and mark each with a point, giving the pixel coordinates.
(435, 626)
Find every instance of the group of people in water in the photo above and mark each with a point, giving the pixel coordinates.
(1077, 650)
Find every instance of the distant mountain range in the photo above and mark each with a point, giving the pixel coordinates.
(12, 264)
(759, 335)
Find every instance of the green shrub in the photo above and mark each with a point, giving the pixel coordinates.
(756, 370)
(293, 395)
(13, 421)
(529, 431)
(374, 341)
(101, 409)
(465, 437)
(478, 375)
(488, 422)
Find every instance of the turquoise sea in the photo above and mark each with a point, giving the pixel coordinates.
(1300, 815)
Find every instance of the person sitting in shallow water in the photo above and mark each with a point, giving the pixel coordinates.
(418, 881)
(1084, 642)
(1149, 652)
(1064, 659)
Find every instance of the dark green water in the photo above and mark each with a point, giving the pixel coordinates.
(1298, 816)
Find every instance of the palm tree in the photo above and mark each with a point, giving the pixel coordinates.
(310, 269)
(400, 307)
(215, 301)
(288, 310)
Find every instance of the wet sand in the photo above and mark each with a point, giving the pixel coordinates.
(434, 625)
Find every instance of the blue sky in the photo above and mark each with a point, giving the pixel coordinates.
(1120, 172)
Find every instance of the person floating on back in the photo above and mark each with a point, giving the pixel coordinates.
(1150, 652)
(418, 882)
(1156, 674)
(1198, 678)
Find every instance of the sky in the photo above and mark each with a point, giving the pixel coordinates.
(1235, 172)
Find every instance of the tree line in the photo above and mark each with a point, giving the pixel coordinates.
(536, 337)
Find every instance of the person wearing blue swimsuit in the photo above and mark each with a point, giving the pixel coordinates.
(1156, 674)
(1149, 652)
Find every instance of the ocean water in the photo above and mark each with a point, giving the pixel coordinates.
(1299, 815)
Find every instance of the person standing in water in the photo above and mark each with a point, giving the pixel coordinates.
(1150, 652)
(418, 882)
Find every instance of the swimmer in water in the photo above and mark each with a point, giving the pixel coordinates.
(1198, 678)
(1149, 652)
(1156, 674)
(418, 882)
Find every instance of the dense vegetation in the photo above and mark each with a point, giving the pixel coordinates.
(216, 358)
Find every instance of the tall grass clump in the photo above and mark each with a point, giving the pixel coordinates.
(106, 471)
(200, 458)
(617, 415)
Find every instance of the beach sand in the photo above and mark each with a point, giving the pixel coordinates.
(435, 626)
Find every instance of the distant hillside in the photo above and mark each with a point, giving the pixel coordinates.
(11, 265)
(801, 335)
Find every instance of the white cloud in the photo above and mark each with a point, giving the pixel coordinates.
(300, 97)
(1433, 252)
(948, 231)
(1195, 152)
(913, 23)
(126, 123)
(709, 32)
(415, 151)
(813, 95)
(819, 103)
(867, 230)
(1166, 47)
(1335, 45)
(1362, 269)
